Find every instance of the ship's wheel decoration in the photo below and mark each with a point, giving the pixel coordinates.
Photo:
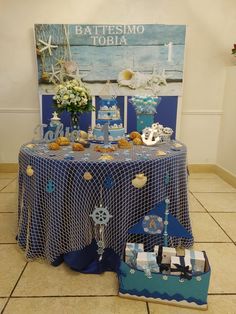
(100, 216)
(153, 224)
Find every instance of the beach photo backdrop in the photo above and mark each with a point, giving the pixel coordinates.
(137, 59)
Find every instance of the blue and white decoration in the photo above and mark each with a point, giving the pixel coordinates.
(160, 211)
(188, 290)
(153, 224)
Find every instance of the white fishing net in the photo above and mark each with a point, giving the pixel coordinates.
(56, 202)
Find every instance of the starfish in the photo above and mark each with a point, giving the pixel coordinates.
(47, 45)
(54, 75)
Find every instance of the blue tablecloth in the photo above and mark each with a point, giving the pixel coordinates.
(56, 202)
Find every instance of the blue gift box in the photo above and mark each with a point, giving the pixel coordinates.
(131, 252)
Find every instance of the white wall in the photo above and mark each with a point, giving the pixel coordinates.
(227, 143)
(210, 35)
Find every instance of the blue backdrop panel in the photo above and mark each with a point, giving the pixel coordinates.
(166, 113)
(48, 109)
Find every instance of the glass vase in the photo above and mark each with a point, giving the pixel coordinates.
(74, 121)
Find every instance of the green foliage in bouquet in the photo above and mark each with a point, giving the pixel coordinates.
(73, 96)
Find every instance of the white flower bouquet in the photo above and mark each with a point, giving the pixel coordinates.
(74, 97)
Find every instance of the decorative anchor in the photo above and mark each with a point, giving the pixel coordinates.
(167, 178)
(50, 186)
(108, 182)
(167, 202)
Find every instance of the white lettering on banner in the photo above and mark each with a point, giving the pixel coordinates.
(87, 31)
(109, 40)
(106, 35)
(78, 30)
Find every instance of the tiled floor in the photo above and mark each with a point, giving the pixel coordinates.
(36, 287)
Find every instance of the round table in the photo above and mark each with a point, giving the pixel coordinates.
(56, 202)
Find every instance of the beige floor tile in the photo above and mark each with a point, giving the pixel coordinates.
(203, 175)
(12, 263)
(2, 303)
(4, 183)
(82, 305)
(8, 227)
(220, 304)
(223, 273)
(8, 202)
(210, 185)
(8, 175)
(227, 222)
(194, 205)
(205, 229)
(12, 187)
(40, 279)
(218, 202)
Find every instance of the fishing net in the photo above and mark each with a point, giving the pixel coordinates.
(56, 203)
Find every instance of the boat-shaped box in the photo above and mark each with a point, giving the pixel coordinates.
(167, 289)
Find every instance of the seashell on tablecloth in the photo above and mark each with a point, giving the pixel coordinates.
(87, 176)
(139, 181)
(29, 171)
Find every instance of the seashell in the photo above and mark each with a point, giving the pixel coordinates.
(87, 176)
(85, 143)
(177, 145)
(125, 75)
(62, 141)
(83, 135)
(139, 181)
(123, 143)
(45, 76)
(53, 146)
(137, 141)
(160, 153)
(70, 67)
(29, 171)
(77, 147)
(134, 134)
(30, 146)
(106, 157)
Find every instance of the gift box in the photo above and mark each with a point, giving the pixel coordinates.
(131, 251)
(197, 260)
(164, 268)
(166, 253)
(181, 266)
(147, 260)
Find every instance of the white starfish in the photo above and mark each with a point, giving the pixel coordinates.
(47, 45)
(54, 75)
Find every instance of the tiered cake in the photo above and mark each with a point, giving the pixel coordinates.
(109, 112)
